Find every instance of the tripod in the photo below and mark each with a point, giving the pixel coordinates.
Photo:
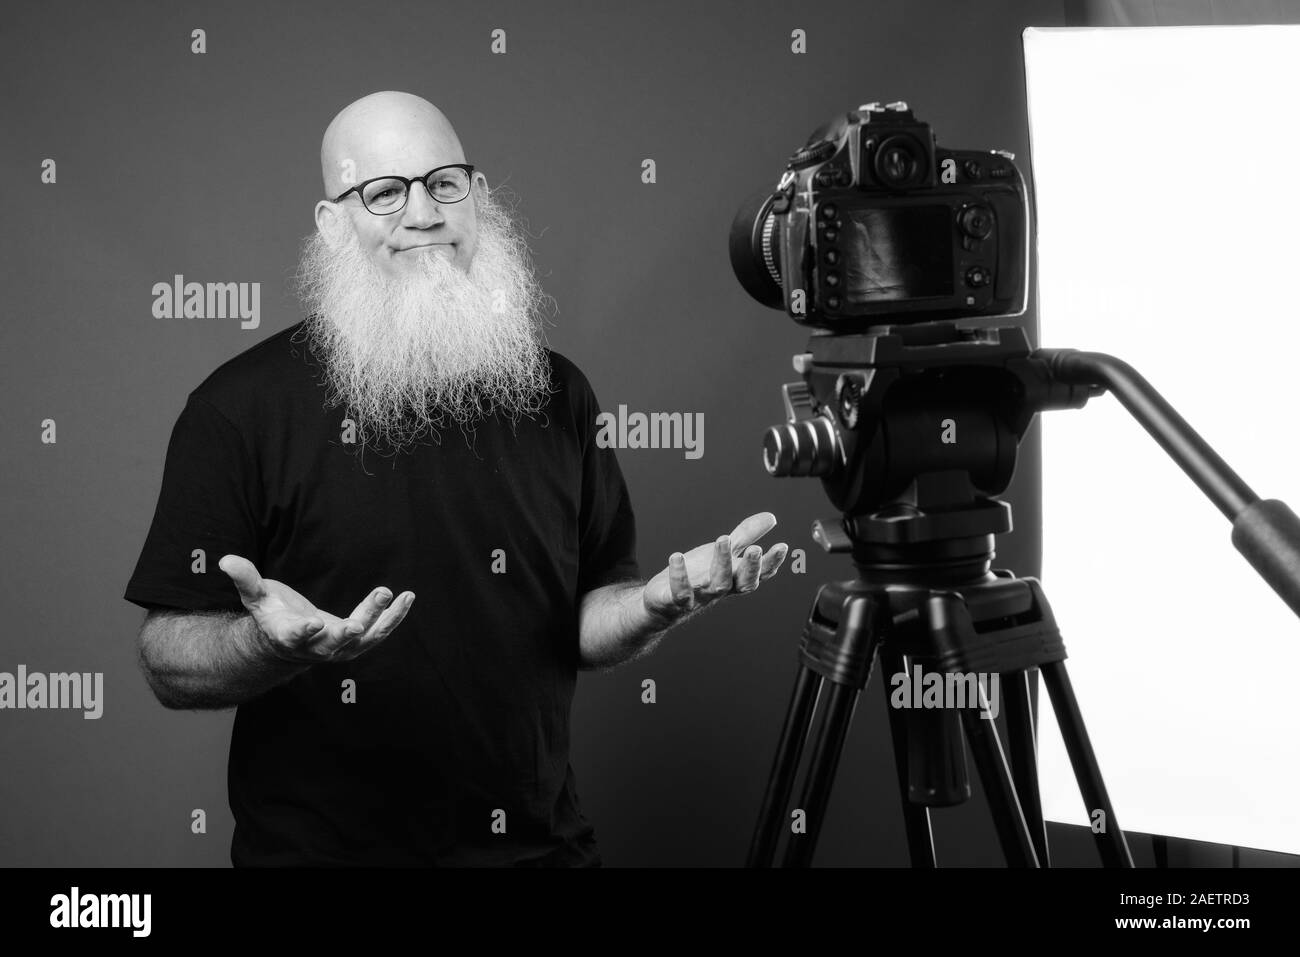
(925, 596)
(914, 431)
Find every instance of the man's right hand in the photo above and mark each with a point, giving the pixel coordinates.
(296, 630)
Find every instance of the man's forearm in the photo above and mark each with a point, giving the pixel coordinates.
(209, 660)
(614, 626)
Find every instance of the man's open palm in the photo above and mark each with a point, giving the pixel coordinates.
(732, 564)
(299, 631)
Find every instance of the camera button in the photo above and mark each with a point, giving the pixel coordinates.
(976, 222)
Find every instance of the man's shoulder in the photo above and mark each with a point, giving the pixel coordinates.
(264, 371)
(566, 375)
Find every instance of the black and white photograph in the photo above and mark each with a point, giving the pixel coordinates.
(650, 440)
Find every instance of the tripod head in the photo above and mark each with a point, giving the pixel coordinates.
(914, 431)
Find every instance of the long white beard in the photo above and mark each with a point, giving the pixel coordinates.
(405, 354)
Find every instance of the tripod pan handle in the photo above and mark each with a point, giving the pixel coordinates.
(1268, 534)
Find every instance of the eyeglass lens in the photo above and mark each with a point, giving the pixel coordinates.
(386, 195)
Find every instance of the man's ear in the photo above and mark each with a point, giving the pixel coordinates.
(331, 222)
(480, 186)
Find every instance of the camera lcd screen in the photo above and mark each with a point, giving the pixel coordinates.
(901, 252)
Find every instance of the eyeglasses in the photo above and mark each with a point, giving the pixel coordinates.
(386, 195)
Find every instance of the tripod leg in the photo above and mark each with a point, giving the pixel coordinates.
(1110, 841)
(839, 645)
(995, 776)
(916, 817)
(798, 719)
(1022, 740)
(821, 772)
(1160, 849)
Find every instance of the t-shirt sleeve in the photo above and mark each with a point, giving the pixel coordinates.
(607, 542)
(206, 502)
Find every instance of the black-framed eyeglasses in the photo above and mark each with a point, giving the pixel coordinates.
(385, 195)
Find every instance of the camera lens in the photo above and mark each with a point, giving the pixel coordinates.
(898, 162)
(755, 249)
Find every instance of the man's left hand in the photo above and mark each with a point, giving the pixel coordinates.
(731, 565)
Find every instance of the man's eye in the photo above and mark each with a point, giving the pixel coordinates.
(384, 196)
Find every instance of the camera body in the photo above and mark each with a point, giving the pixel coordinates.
(874, 223)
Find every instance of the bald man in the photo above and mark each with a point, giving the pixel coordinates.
(412, 436)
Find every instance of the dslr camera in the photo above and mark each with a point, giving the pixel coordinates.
(873, 222)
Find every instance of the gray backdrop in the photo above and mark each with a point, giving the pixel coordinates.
(206, 165)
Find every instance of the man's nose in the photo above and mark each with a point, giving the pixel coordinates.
(422, 210)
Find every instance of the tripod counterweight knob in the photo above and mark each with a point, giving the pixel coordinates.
(807, 444)
(805, 447)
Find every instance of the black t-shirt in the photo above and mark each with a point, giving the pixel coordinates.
(463, 712)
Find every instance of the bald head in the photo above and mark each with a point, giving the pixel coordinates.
(382, 134)
(396, 134)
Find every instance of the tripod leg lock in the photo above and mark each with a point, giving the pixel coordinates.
(841, 646)
(1003, 626)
